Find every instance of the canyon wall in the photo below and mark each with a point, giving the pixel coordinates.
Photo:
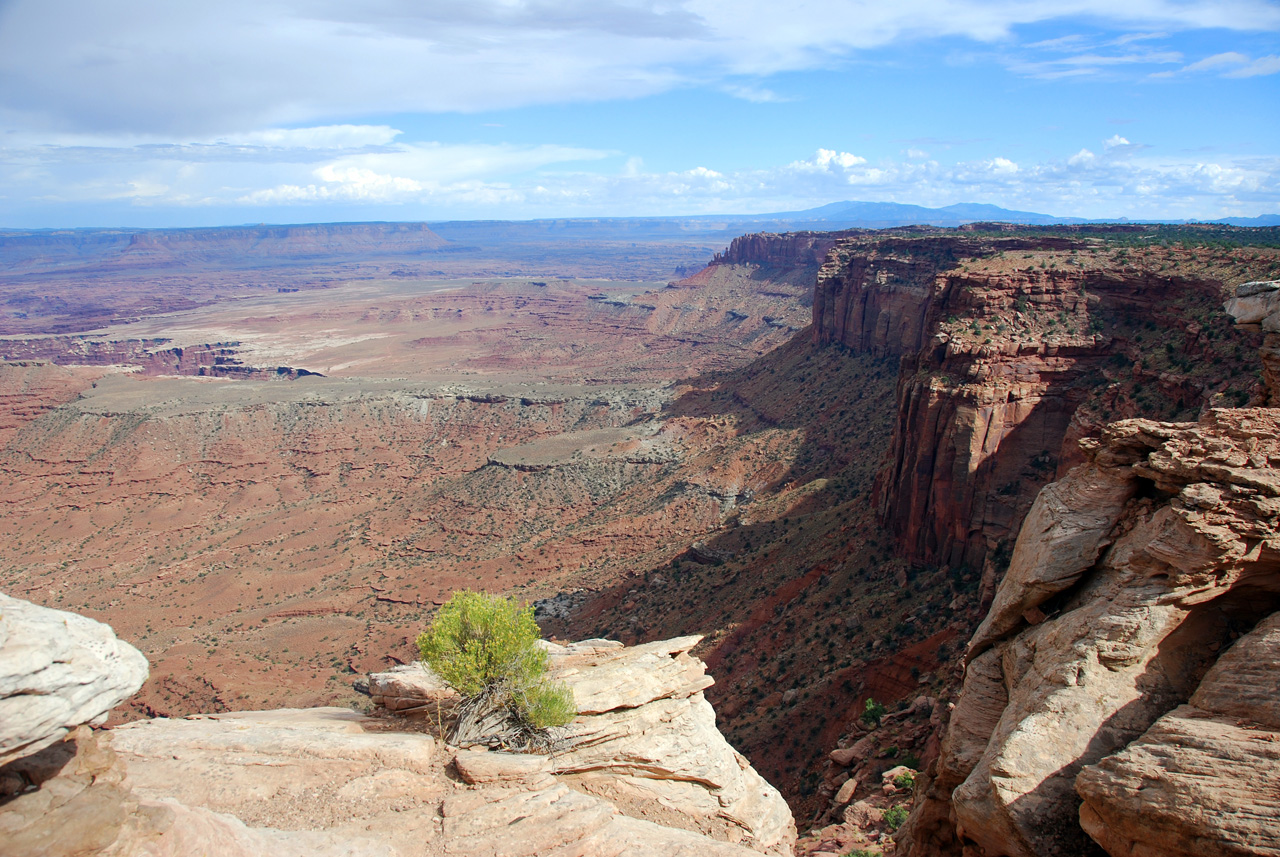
(1012, 348)
(1121, 690)
(791, 250)
(148, 356)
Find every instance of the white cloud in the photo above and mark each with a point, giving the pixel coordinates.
(755, 94)
(1115, 141)
(1257, 68)
(1217, 60)
(321, 137)
(438, 181)
(192, 70)
(828, 160)
(1002, 166)
(1236, 64)
(1082, 158)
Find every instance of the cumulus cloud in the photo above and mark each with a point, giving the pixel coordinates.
(828, 160)
(439, 181)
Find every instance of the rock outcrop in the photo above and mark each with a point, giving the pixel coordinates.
(1203, 779)
(330, 782)
(57, 671)
(1257, 305)
(645, 738)
(1128, 578)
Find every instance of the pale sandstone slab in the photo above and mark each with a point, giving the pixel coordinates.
(559, 822)
(608, 679)
(411, 689)
(57, 671)
(277, 768)
(1205, 779)
(645, 731)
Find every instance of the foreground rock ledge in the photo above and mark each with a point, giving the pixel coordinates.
(647, 775)
(1205, 779)
(645, 740)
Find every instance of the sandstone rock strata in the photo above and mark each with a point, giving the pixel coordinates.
(781, 251)
(1129, 576)
(1257, 304)
(1005, 365)
(646, 738)
(1205, 779)
(327, 782)
(57, 671)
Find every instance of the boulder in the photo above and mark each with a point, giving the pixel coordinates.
(57, 671)
(863, 748)
(411, 689)
(846, 792)
(863, 815)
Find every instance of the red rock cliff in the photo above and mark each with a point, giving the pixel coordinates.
(1012, 349)
(794, 249)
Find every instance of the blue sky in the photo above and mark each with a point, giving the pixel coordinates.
(154, 113)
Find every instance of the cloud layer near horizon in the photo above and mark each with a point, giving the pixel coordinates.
(303, 166)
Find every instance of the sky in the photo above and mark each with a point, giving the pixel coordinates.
(162, 113)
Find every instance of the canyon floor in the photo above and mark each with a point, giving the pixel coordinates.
(269, 490)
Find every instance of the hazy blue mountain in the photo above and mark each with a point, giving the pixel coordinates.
(1260, 220)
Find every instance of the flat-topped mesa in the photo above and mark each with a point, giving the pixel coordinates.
(149, 356)
(1012, 348)
(788, 250)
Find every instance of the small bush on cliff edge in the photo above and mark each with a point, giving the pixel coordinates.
(872, 713)
(486, 647)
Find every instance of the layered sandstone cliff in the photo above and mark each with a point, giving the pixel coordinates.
(1121, 691)
(1013, 348)
(790, 250)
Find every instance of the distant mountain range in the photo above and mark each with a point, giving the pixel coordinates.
(833, 216)
(32, 249)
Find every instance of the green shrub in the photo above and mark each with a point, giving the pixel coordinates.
(485, 646)
(905, 780)
(894, 816)
(872, 713)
